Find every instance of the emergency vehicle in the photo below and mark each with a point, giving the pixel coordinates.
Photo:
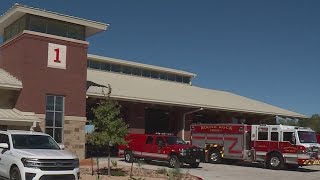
(161, 147)
(274, 145)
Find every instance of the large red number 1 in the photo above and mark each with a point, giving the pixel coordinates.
(57, 60)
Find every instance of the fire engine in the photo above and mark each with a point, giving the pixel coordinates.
(160, 147)
(273, 145)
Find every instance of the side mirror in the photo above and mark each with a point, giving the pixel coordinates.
(4, 145)
(62, 147)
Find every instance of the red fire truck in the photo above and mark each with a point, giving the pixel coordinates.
(274, 145)
(161, 147)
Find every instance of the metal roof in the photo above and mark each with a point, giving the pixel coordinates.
(133, 88)
(14, 115)
(140, 65)
(8, 81)
(18, 10)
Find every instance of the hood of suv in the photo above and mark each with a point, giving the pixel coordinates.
(45, 154)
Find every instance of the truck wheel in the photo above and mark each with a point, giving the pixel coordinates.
(15, 174)
(214, 156)
(275, 161)
(174, 161)
(194, 165)
(128, 157)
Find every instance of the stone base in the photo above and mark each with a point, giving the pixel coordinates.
(74, 134)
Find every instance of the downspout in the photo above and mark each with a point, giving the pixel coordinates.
(184, 121)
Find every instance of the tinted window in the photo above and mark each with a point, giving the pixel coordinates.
(159, 141)
(146, 73)
(37, 24)
(186, 80)
(178, 78)
(171, 77)
(94, 65)
(136, 71)
(262, 135)
(105, 66)
(4, 138)
(126, 70)
(115, 68)
(164, 76)
(57, 28)
(274, 136)
(287, 136)
(155, 74)
(149, 140)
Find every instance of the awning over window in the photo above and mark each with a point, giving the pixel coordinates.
(17, 118)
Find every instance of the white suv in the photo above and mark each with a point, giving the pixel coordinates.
(27, 155)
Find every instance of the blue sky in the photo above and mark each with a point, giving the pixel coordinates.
(266, 50)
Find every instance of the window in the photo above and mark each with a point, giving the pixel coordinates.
(164, 76)
(115, 67)
(171, 77)
(274, 136)
(54, 117)
(178, 78)
(4, 139)
(57, 28)
(37, 24)
(287, 136)
(186, 80)
(105, 66)
(126, 70)
(94, 65)
(159, 141)
(136, 71)
(263, 136)
(146, 73)
(155, 74)
(149, 140)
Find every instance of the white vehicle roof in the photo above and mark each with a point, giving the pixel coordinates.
(23, 132)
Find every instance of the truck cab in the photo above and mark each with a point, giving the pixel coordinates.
(160, 147)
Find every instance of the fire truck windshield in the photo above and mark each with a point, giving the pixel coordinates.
(172, 140)
(307, 137)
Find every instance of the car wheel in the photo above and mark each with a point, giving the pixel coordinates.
(194, 165)
(275, 161)
(15, 174)
(174, 161)
(214, 156)
(128, 157)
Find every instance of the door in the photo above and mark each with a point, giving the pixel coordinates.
(288, 147)
(158, 148)
(147, 151)
(4, 157)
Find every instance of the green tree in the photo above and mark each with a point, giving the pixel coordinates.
(313, 122)
(109, 127)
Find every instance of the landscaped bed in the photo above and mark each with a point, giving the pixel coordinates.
(123, 173)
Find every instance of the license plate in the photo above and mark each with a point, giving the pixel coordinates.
(197, 160)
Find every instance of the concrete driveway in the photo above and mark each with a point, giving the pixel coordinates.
(239, 171)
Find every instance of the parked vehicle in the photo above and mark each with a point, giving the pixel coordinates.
(318, 138)
(162, 147)
(27, 155)
(274, 145)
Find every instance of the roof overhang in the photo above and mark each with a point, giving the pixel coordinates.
(130, 88)
(9, 116)
(17, 11)
(8, 81)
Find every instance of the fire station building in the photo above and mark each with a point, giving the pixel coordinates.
(50, 82)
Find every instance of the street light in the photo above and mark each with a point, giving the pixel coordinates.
(184, 120)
